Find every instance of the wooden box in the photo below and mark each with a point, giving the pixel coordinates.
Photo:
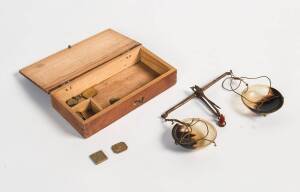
(114, 65)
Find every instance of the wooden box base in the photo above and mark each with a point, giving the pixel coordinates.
(114, 66)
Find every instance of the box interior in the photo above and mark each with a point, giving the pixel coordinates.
(112, 81)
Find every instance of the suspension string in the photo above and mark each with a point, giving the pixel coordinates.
(241, 80)
(189, 126)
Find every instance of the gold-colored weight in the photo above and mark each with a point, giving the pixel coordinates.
(119, 147)
(72, 102)
(91, 92)
(98, 157)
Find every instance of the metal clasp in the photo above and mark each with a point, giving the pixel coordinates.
(139, 101)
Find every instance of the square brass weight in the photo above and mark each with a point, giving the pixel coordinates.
(119, 147)
(98, 157)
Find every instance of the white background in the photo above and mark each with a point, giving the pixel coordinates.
(40, 151)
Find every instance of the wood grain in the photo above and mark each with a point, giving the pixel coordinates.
(97, 75)
(70, 63)
(138, 82)
(123, 83)
(96, 123)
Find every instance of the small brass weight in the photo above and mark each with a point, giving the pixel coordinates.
(193, 133)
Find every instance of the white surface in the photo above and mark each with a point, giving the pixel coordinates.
(40, 151)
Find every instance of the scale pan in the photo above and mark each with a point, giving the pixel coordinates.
(262, 99)
(198, 134)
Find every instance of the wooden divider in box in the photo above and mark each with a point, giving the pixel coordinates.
(130, 77)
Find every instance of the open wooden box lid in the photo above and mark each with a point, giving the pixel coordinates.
(64, 66)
